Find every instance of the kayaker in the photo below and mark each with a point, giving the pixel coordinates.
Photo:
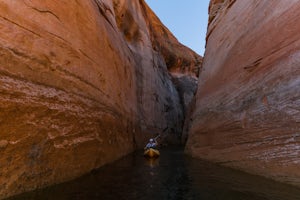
(151, 144)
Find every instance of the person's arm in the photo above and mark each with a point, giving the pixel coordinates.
(147, 146)
(156, 143)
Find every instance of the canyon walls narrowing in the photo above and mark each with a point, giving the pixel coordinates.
(83, 83)
(247, 109)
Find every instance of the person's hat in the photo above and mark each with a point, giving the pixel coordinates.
(151, 140)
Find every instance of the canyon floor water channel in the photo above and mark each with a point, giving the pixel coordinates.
(172, 176)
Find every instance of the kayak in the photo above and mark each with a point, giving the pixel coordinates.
(151, 153)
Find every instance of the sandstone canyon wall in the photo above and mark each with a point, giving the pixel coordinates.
(82, 83)
(247, 112)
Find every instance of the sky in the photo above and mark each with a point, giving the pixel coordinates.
(186, 19)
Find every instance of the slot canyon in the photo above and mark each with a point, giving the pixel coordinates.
(84, 83)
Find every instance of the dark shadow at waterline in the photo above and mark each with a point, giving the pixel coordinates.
(173, 176)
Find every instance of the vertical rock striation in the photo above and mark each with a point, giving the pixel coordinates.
(82, 83)
(247, 112)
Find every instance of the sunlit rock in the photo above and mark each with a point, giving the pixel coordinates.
(82, 83)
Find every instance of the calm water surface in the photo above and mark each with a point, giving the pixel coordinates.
(173, 176)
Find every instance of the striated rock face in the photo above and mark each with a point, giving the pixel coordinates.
(82, 83)
(182, 63)
(247, 112)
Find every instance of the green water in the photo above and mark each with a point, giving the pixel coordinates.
(174, 176)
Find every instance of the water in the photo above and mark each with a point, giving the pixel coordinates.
(173, 176)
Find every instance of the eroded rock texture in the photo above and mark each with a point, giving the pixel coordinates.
(247, 112)
(82, 83)
(183, 64)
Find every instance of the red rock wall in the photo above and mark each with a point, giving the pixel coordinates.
(247, 112)
(80, 86)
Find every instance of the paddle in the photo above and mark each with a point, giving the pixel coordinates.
(157, 137)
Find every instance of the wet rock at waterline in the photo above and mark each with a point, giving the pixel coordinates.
(82, 83)
(247, 110)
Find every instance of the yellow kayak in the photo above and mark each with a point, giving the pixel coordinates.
(151, 153)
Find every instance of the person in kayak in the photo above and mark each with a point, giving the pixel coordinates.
(151, 144)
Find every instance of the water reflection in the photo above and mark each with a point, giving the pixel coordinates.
(172, 176)
(152, 162)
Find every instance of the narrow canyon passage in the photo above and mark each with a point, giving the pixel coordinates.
(173, 176)
(86, 83)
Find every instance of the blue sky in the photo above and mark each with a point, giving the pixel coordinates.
(186, 19)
